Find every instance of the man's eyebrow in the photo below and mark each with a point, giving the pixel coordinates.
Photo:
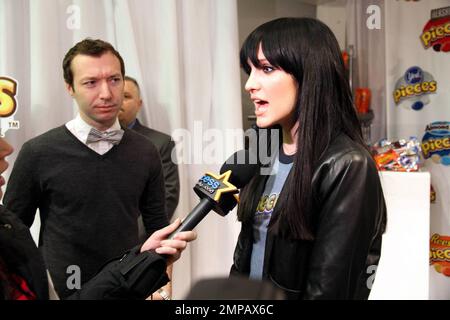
(95, 77)
(88, 78)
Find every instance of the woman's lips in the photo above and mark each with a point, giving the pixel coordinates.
(260, 107)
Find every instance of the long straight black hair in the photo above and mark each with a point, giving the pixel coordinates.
(308, 50)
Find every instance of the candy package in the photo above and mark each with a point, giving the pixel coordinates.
(401, 155)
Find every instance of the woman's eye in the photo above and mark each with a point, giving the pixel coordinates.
(268, 69)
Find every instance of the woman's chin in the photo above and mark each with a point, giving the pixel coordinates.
(263, 123)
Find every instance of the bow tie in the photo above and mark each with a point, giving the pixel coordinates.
(113, 137)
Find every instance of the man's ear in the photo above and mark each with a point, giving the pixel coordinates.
(69, 89)
(140, 104)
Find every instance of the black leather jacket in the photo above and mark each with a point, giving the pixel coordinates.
(350, 213)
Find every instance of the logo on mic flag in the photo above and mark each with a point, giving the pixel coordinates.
(215, 186)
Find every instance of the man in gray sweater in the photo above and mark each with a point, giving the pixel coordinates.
(89, 178)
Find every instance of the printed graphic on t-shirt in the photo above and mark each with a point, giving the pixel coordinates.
(263, 214)
(266, 205)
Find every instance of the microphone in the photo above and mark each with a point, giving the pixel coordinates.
(219, 192)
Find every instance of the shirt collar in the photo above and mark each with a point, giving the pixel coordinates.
(132, 124)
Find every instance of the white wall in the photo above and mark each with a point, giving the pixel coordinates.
(333, 14)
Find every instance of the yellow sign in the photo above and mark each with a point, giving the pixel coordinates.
(8, 104)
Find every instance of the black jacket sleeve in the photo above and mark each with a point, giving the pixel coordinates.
(171, 179)
(134, 276)
(349, 227)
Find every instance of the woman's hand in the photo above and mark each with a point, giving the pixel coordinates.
(172, 248)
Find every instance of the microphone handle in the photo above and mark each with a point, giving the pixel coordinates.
(195, 216)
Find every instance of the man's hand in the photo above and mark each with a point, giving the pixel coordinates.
(172, 248)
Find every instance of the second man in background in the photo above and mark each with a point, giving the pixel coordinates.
(132, 103)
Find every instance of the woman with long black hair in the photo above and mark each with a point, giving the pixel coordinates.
(313, 226)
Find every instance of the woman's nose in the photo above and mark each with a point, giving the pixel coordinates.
(252, 83)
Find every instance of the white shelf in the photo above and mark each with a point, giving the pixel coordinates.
(403, 271)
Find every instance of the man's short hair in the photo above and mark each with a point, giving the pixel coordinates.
(134, 81)
(88, 47)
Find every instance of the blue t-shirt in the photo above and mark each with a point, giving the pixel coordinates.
(280, 170)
